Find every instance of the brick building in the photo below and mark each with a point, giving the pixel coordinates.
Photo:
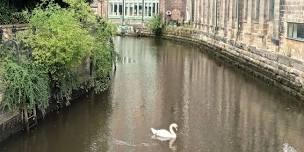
(175, 10)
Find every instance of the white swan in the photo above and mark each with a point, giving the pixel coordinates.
(288, 148)
(165, 133)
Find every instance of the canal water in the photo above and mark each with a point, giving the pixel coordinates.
(159, 82)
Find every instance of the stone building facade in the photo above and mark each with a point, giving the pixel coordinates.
(292, 23)
(272, 25)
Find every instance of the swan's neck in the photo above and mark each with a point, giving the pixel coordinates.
(172, 131)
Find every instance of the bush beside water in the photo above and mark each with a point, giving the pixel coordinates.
(10, 15)
(156, 25)
(59, 40)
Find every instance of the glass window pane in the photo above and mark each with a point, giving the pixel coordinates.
(295, 29)
(120, 8)
(300, 32)
(290, 30)
(146, 9)
(149, 9)
(131, 9)
(111, 8)
(140, 9)
(115, 9)
(135, 9)
(153, 8)
(271, 10)
(126, 8)
(257, 10)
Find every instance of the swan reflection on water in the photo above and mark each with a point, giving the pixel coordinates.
(171, 141)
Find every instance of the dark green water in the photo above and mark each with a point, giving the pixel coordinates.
(159, 82)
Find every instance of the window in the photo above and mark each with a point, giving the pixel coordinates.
(126, 8)
(257, 10)
(245, 11)
(146, 9)
(150, 9)
(300, 32)
(235, 10)
(111, 8)
(135, 9)
(115, 9)
(153, 8)
(271, 10)
(295, 31)
(140, 9)
(120, 8)
(131, 9)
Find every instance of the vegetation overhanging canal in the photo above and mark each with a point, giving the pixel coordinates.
(52, 55)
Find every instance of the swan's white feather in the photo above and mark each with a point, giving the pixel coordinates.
(162, 133)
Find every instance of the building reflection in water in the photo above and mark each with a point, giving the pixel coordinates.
(217, 108)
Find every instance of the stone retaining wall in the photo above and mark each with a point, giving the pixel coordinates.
(10, 123)
(277, 69)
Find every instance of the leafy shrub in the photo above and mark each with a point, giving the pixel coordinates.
(26, 85)
(156, 25)
(60, 40)
(59, 44)
(10, 15)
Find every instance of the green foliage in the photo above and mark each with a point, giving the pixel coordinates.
(25, 85)
(58, 40)
(156, 25)
(82, 12)
(10, 15)
(103, 51)
(59, 44)
(102, 61)
(62, 38)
